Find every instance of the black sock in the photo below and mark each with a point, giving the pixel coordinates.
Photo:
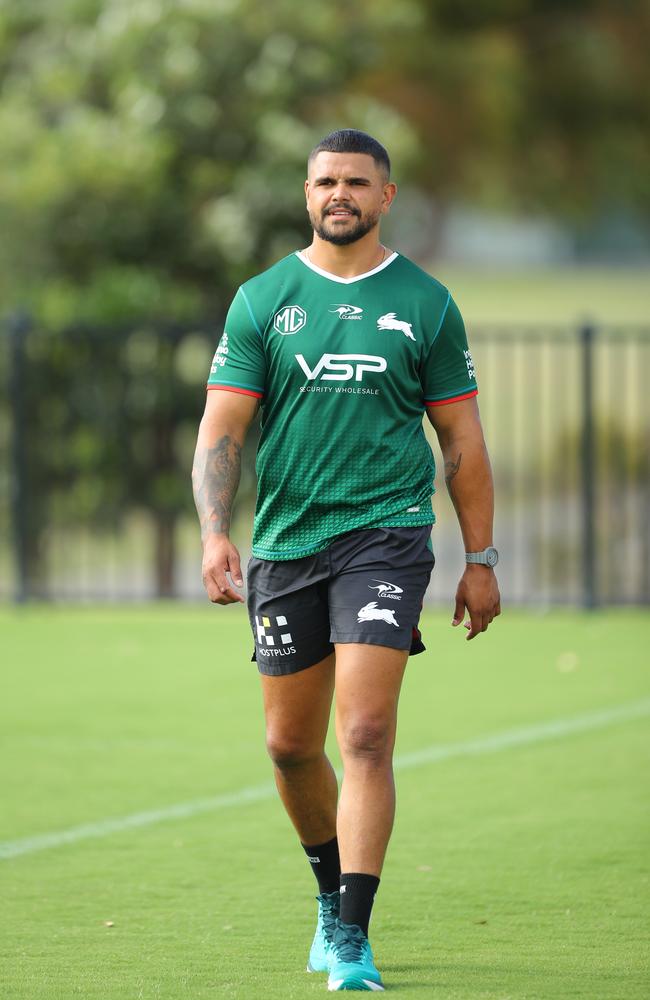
(357, 896)
(325, 864)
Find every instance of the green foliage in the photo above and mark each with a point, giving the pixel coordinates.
(527, 104)
(110, 417)
(153, 152)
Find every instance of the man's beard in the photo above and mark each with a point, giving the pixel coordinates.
(351, 235)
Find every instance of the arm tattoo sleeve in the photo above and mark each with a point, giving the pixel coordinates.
(215, 478)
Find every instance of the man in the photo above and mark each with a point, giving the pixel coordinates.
(344, 345)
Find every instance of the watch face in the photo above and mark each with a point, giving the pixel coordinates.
(492, 556)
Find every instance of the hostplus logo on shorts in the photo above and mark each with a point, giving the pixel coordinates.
(273, 638)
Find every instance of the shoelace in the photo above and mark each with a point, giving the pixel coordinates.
(329, 911)
(348, 943)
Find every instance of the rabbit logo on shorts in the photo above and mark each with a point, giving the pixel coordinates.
(371, 613)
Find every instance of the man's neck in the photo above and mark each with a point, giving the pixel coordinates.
(350, 260)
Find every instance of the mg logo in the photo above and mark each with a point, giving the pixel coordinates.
(290, 319)
(342, 367)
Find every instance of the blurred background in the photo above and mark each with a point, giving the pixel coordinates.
(152, 157)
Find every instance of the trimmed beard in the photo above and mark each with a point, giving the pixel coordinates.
(362, 228)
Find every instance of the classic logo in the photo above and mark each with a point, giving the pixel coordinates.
(342, 367)
(387, 590)
(370, 613)
(391, 322)
(346, 311)
(289, 319)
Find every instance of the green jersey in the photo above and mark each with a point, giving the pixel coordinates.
(343, 368)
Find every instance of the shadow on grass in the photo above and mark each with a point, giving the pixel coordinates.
(440, 977)
(391, 975)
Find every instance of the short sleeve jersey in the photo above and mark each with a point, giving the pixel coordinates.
(344, 369)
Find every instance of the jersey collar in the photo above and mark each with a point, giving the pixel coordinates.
(345, 281)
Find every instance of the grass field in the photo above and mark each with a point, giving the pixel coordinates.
(565, 296)
(518, 868)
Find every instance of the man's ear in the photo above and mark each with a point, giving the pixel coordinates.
(390, 190)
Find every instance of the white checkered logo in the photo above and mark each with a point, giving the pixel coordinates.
(272, 632)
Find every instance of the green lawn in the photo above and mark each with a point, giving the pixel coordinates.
(516, 872)
(565, 296)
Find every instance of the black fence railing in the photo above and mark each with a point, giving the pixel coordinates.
(97, 429)
(567, 419)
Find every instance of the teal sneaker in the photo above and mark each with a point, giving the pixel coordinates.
(329, 905)
(352, 966)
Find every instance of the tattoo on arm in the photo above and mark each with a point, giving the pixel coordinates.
(215, 478)
(451, 470)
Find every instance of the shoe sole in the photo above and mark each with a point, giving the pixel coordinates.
(354, 983)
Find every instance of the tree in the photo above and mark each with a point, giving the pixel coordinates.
(526, 104)
(152, 158)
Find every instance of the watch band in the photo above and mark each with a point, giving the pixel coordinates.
(488, 557)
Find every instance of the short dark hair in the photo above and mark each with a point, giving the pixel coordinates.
(351, 140)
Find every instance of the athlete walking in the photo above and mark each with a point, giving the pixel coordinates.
(344, 345)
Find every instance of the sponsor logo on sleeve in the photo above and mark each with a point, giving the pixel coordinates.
(470, 364)
(390, 322)
(221, 355)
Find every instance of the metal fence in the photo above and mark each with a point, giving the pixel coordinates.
(97, 430)
(566, 415)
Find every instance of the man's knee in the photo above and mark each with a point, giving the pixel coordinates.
(367, 739)
(288, 750)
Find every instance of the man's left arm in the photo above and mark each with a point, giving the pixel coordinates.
(469, 481)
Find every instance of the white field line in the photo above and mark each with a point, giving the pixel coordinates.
(522, 736)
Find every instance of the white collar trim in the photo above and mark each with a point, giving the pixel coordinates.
(345, 281)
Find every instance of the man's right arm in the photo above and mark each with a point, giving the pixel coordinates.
(215, 478)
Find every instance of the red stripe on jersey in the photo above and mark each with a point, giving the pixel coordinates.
(453, 399)
(231, 388)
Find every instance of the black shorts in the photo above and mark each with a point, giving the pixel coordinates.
(367, 587)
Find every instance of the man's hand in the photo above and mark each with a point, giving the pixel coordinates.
(478, 591)
(220, 556)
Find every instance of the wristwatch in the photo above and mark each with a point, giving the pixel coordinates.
(488, 557)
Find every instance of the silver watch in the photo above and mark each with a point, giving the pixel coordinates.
(488, 557)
